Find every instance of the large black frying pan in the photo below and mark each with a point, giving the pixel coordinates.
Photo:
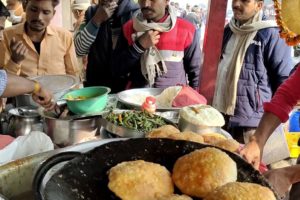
(85, 176)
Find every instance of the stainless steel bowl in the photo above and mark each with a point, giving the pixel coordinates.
(184, 125)
(64, 132)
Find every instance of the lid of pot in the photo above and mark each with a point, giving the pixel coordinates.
(25, 111)
(57, 83)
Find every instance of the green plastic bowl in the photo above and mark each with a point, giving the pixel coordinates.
(94, 102)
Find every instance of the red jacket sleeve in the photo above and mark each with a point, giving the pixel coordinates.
(286, 97)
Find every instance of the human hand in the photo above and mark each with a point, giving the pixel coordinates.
(280, 180)
(149, 39)
(44, 98)
(18, 51)
(252, 152)
(104, 12)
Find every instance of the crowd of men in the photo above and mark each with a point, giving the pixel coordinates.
(122, 44)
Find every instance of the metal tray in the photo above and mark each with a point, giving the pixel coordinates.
(123, 131)
(125, 97)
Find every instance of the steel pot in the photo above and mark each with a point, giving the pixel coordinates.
(64, 132)
(185, 125)
(23, 120)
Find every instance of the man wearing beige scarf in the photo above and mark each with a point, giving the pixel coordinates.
(161, 50)
(254, 62)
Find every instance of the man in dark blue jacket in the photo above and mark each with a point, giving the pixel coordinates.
(99, 37)
(254, 62)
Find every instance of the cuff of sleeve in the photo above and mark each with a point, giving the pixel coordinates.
(3, 81)
(138, 47)
(276, 110)
(13, 67)
(92, 28)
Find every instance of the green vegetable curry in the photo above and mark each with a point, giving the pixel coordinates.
(138, 120)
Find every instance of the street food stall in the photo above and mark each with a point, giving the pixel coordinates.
(145, 143)
(127, 131)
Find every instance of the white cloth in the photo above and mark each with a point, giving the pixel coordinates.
(33, 143)
(152, 63)
(246, 32)
(223, 69)
(80, 5)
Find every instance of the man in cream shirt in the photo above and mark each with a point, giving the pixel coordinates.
(37, 48)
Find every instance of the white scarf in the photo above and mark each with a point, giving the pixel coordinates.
(152, 63)
(247, 33)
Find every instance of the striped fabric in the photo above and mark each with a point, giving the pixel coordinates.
(85, 38)
(3, 81)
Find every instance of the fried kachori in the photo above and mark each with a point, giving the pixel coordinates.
(201, 171)
(241, 191)
(136, 180)
(162, 132)
(229, 144)
(174, 197)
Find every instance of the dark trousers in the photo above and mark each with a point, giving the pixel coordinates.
(240, 134)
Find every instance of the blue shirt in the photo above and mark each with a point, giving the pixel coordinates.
(3, 81)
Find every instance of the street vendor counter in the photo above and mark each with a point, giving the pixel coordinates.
(16, 177)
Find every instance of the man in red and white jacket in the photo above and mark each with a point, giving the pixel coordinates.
(159, 49)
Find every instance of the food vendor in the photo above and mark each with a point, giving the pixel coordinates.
(277, 111)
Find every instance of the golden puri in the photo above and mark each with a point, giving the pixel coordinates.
(174, 197)
(241, 191)
(136, 180)
(162, 132)
(201, 171)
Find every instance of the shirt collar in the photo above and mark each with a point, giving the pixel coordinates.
(20, 29)
(164, 18)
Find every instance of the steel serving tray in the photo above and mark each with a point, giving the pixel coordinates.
(127, 97)
(122, 131)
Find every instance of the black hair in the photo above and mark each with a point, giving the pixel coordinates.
(54, 2)
(3, 10)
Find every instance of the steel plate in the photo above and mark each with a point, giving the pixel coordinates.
(127, 97)
(122, 131)
(57, 83)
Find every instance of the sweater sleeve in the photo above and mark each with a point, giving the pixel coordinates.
(87, 35)
(278, 59)
(85, 38)
(3, 81)
(192, 59)
(285, 98)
